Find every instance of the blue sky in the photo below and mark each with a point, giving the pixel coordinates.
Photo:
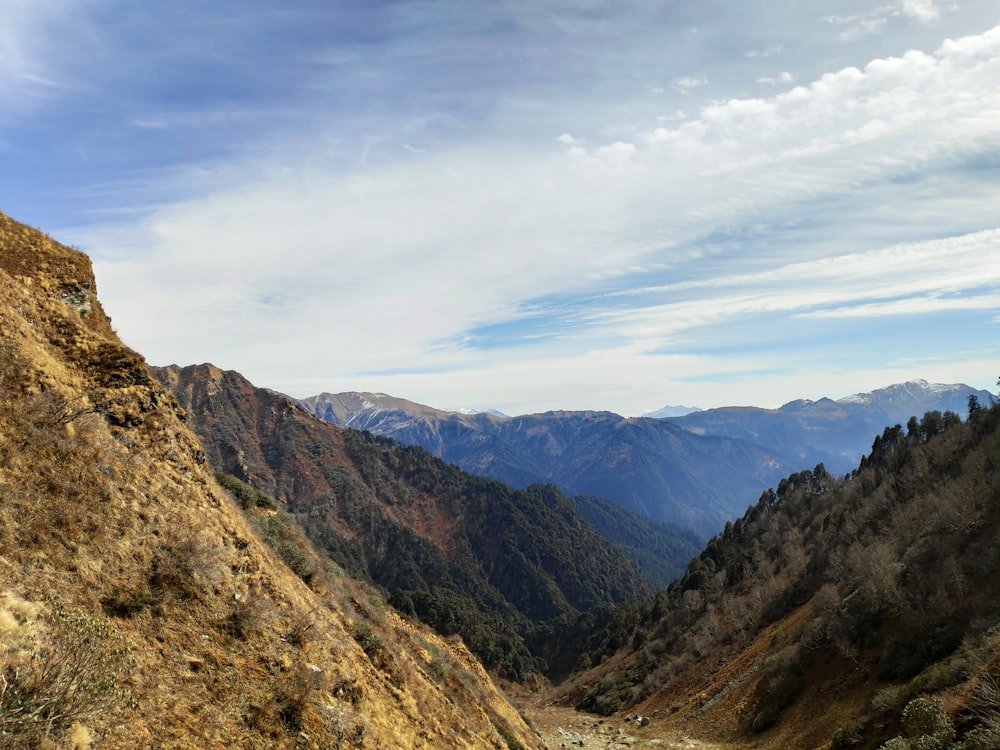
(524, 205)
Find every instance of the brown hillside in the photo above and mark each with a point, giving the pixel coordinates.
(139, 608)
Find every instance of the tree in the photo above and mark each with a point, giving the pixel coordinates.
(973, 404)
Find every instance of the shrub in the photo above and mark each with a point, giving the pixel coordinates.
(54, 679)
(368, 639)
(300, 630)
(243, 493)
(186, 564)
(848, 736)
(781, 693)
(925, 716)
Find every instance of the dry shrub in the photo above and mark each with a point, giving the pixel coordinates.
(57, 671)
(247, 616)
(186, 563)
(300, 630)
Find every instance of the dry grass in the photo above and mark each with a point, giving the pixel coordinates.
(105, 504)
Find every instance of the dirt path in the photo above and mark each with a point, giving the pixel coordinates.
(562, 727)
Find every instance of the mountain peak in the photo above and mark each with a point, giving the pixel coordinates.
(665, 412)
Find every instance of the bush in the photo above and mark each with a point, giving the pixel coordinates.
(925, 716)
(368, 639)
(243, 493)
(54, 679)
(781, 693)
(848, 736)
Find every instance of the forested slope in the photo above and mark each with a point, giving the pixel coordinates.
(835, 608)
(465, 554)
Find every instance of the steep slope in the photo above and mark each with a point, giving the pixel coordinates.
(650, 466)
(837, 612)
(834, 433)
(465, 554)
(138, 605)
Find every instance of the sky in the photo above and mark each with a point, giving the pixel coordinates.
(524, 205)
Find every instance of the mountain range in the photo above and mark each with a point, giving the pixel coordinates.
(835, 433)
(465, 554)
(188, 560)
(694, 471)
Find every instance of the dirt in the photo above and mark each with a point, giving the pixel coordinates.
(561, 727)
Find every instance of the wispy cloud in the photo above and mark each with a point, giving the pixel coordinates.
(444, 201)
(873, 20)
(27, 40)
(957, 273)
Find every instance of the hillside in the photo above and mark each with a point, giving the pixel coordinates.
(653, 467)
(141, 607)
(466, 555)
(837, 613)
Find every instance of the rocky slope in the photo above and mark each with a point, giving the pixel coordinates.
(140, 607)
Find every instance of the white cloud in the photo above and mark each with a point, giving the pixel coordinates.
(309, 277)
(874, 20)
(784, 77)
(957, 273)
(687, 83)
(770, 51)
(924, 11)
(26, 39)
(193, 120)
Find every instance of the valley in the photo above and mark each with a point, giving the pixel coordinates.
(562, 727)
(191, 560)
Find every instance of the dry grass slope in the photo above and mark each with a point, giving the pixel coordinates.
(139, 607)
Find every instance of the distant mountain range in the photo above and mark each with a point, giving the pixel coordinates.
(835, 433)
(697, 470)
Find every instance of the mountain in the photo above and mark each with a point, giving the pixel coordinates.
(465, 554)
(655, 548)
(140, 606)
(641, 463)
(672, 411)
(836, 613)
(653, 467)
(834, 433)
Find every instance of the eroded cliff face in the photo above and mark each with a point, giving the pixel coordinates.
(187, 629)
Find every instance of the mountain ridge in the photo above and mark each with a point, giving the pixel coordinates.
(638, 462)
(652, 467)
